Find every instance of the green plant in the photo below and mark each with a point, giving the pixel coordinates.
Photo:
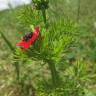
(53, 43)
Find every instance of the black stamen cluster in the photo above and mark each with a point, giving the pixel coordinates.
(28, 36)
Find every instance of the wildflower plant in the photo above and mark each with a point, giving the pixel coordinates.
(45, 43)
(52, 45)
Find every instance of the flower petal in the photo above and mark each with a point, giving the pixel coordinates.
(24, 45)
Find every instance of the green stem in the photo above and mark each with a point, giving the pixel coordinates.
(78, 10)
(54, 74)
(44, 16)
(13, 50)
(7, 42)
(17, 69)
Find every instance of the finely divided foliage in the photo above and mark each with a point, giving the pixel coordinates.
(40, 60)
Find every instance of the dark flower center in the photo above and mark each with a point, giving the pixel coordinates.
(28, 36)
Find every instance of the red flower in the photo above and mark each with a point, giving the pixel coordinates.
(29, 39)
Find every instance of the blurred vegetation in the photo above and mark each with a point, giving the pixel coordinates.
(79, 68)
